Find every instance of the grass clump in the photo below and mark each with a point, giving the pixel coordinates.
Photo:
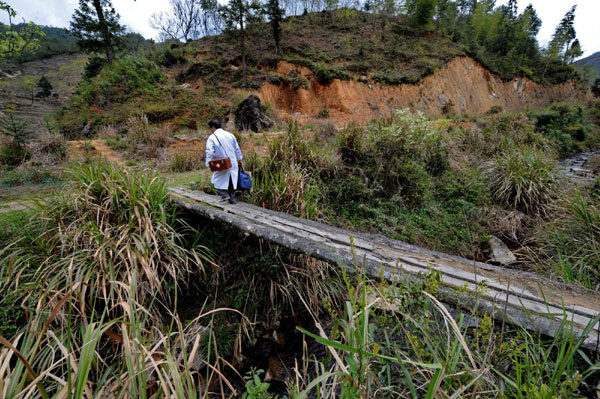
(524, 179)
(569, 246)
(282, 180)
(186, 161)
(108, 225)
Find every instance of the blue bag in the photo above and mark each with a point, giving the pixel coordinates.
(244, 180)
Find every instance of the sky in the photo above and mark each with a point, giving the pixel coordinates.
(136, 15)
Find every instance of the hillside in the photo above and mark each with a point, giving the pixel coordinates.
(593, 60)
(62, 71)
(342, 66)
(56, 41)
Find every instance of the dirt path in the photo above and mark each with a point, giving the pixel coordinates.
(82, 149)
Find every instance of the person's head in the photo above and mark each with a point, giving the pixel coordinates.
(214, 124)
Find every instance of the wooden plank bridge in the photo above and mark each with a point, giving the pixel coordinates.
(519, 297)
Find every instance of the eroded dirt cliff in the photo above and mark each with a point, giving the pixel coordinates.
(461, 86)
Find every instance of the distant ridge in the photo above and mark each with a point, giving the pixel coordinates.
(593, 60)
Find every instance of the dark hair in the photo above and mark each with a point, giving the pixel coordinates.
(216, 123)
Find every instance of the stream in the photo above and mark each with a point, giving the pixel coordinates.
(577, 167)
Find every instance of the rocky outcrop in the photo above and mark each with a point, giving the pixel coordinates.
(462, 86)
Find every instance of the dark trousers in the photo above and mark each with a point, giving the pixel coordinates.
(230, 192)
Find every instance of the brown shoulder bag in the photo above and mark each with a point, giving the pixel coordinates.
(219, 164)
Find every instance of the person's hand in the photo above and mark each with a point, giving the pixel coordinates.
(240, 162)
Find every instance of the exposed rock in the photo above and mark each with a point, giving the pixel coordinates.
(87, 130)
(500, 252)
(248, 115)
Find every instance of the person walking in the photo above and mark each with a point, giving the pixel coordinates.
(222, 144)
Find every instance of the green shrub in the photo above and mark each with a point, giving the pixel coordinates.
(123, 79)
(170, 57)
(93, 67)
(116, 143)
(27, 177)
(523, 179)
(199, 70)
(11, 155)
(158, 112)
(299, 82)
(564, 125)
(496, 109)
(426, 66)
(326, 75)
(505, 132)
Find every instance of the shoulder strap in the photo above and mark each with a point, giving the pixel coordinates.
(219, 141)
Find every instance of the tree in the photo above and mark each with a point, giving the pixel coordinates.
(421, 12)
(45, 88)
(573, 51)
(13, 42)
(275, 14)
(563, 36)
(236, 16)
(187, 20)
(15, 128)
(96, 26)
(596, 88)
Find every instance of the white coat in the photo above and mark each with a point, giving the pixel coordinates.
(228, 148)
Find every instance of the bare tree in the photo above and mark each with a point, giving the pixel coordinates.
(187, 20)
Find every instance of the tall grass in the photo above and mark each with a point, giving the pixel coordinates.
(108, 227)
(284, 180)
(401, 342)
(570, 245)
(288, 190)
(523, 179)
(129, 357)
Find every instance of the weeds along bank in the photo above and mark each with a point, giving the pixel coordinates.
(109, 292)
(447, 184)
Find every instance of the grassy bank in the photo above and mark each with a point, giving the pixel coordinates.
(108, 291)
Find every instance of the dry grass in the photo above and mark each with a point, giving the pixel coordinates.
(149, 142)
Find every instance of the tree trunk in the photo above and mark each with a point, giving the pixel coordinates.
(243, 42)
(110, 55)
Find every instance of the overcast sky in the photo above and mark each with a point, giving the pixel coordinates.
(136, 15)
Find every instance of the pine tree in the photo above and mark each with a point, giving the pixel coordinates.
(45, 88)
(275, 14)
(236, 16)
(596, 88)
(421, 12)
(96, 26)
(16, 128)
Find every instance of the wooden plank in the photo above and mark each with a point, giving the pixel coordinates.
(521, 297)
